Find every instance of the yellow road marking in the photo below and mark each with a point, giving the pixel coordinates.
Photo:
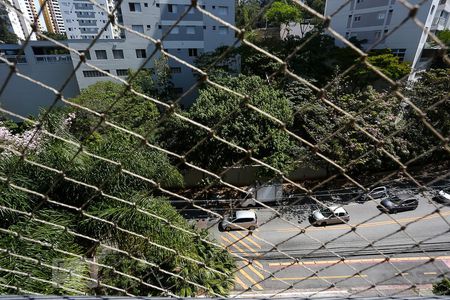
(242, 243)
(319, 277)
(230, 244)
(364, 260)
(430, 273)
(250, 279)
(250, 239)
(371, 224)
(256, 271)
(240, 282)
(258, 264)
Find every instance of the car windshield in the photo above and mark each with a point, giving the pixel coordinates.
(396, 201)
(326, 212)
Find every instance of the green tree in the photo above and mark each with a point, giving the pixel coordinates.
(318, 122)
(317, 5)
(283, 12)
(444, 36)
(442, 288)
(6, 36)
(123, 108)
(247, 12)
(430, 94)
(53, 35)
(137, 216)
(244, 127)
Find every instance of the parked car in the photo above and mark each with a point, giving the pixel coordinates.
(395, 205)
(443, 196)
(329, 215)
(239, 220)
(378, 193)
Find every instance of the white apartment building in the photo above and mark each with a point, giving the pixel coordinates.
(17, 23)
(78, 19)
(47, 62)
(372, 20)
(83, 20)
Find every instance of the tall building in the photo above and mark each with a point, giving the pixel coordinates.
(193, 35)
(83, 20)
(53, 18)
(372, 20)
(18, 23)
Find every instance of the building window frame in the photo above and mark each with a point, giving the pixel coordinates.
(101, 54)
(118, 54)
(141, 53)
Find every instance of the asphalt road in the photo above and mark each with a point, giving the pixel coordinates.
(288, 255)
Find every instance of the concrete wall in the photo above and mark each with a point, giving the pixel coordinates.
(26, 98)
(248, 175)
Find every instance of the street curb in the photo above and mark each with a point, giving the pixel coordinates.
(421, 290)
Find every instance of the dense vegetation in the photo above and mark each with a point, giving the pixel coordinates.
(83, 208)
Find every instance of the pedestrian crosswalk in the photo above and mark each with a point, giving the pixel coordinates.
(250, 272)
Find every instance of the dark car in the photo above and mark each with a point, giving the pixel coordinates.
(395, 205)
(378, 193)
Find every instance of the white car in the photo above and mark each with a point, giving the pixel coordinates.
(443, 196)
(329, 215)
(239, 220)
(378, 193)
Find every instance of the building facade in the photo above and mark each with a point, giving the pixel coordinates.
(83, 20)
(17, 23)
(51, 64)
(372, 20)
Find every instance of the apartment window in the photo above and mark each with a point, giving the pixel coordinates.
(159, 26)
(214, 28)
(432, 10)
(213, 7)
(223, 30)
(87, 54)
(203, 6)
(101, 54)
(118, 54)
(122, 72)
(138, 28)
(381, 16)
(357, 19)
(192, 52)
(359, 1)
(148, 27)
(175, 30)
(94, 73)
(175, 70)
(223, 10)
(190, 30)
(134, 6)
(157, 4)
(145, 4)
(140, 53)
(172, 8)
(400, 53)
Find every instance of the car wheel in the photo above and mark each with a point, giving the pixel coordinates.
(227, 228)
(252, 228)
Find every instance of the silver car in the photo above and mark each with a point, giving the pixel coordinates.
(329, 215)
(239, 220)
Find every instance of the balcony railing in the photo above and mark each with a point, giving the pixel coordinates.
(15, 59)
(53, 58)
